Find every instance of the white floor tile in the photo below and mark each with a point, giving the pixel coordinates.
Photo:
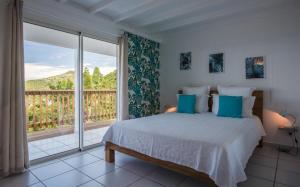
(81, 160)
(122, 159)
(145, 183)
(289, 157)
(280, 185)
(267, 150)
(98, 152)
(37, 155)
(289, 165)
(263, 160)
(166, 177)
(79, 153)
(91, 184)
(54, 145)
(139, 167)
(57, 150)
(256, 182)
(38, 185)
(51, 170)
(20, 180)
(260, 171)
(97, 169)
(190, 182)
(288, 178)
(69, 179)
(43, 164)
(118, 178)
(33, 149)
(38, 143)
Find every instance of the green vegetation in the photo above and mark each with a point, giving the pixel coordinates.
(66, 81)
(47, 110)
(97, 77)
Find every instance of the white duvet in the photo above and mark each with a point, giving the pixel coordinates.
(217, 146)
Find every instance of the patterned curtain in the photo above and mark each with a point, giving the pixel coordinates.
(143, 76)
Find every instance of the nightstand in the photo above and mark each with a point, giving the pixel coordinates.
(289, 129)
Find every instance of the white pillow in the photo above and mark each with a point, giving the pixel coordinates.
(202, 90)
(248, 103)
(235, 91)
(201, 104)
(215, 106)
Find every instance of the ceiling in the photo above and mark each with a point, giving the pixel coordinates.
(156, 16)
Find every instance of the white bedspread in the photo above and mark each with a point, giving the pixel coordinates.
(217, 146)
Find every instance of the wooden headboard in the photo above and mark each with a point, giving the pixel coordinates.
(257, 108)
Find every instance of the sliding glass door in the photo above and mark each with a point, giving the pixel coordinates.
(50, 59)
(99, 88)
(58, 116)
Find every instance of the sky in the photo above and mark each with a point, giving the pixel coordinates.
(43, 60)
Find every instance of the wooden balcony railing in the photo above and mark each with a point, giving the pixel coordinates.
(56, 108)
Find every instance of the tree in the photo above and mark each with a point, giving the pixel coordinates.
(96, 78)
(69, 85)
(87, 80)
(109, 81)
(61, 85)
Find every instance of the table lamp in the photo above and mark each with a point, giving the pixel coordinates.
(292, 132)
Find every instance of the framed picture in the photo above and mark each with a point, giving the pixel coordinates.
(255, 67)
(216, 63)
(186, 61)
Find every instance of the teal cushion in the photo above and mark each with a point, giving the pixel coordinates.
(230, 106)
(186, 104)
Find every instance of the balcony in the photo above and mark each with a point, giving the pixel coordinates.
(50, 119)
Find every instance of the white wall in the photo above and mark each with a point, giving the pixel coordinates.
(273, 33)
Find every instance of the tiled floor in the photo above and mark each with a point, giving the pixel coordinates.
(50, 146)
(266, 168)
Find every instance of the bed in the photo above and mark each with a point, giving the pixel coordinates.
(214, 149)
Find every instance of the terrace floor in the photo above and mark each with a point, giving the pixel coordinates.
(50, 146)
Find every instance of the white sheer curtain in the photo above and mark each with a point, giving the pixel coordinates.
(123, 77)
(13, 140)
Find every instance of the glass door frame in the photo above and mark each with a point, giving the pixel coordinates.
(79, 99)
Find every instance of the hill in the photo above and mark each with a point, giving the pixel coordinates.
(45, 84)
(66, 81)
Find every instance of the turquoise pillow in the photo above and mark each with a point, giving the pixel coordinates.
(186, 104)
(230, 106)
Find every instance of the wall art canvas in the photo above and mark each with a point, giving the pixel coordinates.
(255, 67)
(186, 61)
(216, 63)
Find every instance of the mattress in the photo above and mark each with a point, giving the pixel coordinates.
(217, 146)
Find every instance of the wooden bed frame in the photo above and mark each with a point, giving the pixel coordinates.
(110, 148)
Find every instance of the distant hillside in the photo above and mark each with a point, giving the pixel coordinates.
(66, 81)
(44, 84)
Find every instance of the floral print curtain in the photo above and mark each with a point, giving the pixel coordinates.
(143, 76)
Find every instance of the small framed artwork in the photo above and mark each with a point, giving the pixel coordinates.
(216, 63)
(255, 67)
(186, 61)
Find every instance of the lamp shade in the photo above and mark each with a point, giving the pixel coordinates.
(289, 117)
